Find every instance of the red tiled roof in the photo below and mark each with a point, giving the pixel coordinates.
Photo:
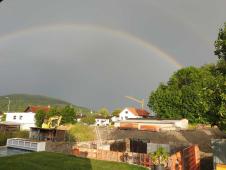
(34, 109)
(138, 112)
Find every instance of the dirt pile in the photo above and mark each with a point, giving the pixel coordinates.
(202, 137)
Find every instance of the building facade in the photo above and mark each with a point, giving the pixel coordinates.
(25, 119)
(132, 113)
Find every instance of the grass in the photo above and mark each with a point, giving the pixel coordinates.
(195, 126)
(80, 132)
(56, 161)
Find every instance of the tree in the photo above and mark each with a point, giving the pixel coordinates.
(220, 44)
(191, 93)
(39, 117)
(116, 112)
(68, 115)
(103, 112)
(88, 120)
(54, 112)
(198, 94)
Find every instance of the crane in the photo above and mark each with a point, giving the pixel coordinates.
(137, 100)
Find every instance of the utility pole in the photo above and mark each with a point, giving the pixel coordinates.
(136, 100)
(8, 103)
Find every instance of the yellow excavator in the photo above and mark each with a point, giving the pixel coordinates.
(52, 122)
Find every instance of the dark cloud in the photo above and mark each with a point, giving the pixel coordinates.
(95, 68)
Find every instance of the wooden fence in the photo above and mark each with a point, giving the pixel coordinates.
(187, 159)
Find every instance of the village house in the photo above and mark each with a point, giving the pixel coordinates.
(102, 121)
(131, 113)
(114, 119)
(25, 119)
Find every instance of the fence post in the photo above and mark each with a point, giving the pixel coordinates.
(127, 141)
(197, 157)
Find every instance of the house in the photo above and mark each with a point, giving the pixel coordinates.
(34, 109)
(131, 112)
(102, 121)
(115, 119)
(26, 119)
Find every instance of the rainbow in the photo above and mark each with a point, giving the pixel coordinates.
(65, 26)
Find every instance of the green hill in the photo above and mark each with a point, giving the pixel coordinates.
(19, 102)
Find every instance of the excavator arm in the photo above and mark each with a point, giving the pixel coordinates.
(52, 122)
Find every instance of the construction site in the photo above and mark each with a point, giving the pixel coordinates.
(144, 141)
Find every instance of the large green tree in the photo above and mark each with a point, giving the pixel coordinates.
(68, 115)
(39, 117)
(198, 94)
(186, 95)
(220, 43)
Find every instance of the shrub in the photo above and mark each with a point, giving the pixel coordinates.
(16, 134)
(88, 120)
(80, 132)
(160, 156)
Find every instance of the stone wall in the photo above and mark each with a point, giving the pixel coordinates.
(60, 147)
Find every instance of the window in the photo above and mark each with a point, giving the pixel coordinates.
(126, 112)
(14, 117)
(21, 117)
(126, 117)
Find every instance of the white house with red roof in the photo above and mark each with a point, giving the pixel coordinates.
(131, 113)
(26, 119)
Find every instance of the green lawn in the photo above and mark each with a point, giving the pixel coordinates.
(55, 161)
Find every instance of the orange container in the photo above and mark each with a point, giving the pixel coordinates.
(128, 125)
(152, 128)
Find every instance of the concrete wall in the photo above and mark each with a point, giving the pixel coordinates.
(60, 147)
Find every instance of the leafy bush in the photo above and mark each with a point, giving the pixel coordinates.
(159, 157)
(3, 118)
(88, 120)
(16, 134)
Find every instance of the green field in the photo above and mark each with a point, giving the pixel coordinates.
(56, 161)
(19, 102)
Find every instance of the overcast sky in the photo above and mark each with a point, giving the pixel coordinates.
(93, 53)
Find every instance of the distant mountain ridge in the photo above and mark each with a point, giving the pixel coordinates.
(19, 102)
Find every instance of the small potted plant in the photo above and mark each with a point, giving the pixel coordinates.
(159, 158)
